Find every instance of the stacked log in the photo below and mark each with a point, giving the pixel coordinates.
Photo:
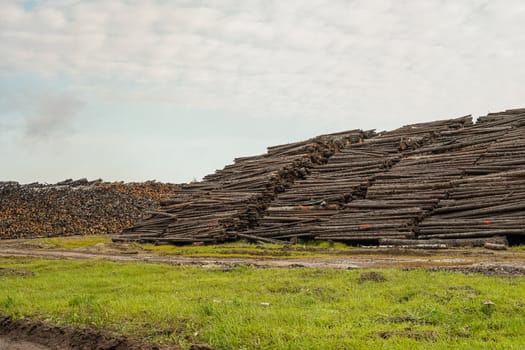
(198, 216)
(420, 181)
(485, 206)
(308, 209)
(507, 153)
(234, 199)
(447, 180)
(398, 199)
(488, 200)
(78, 207)
(417, 184)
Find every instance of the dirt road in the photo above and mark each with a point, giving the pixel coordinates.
(477, 260)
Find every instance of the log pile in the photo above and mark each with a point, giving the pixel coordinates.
(234, 199)
(358, 187)
(443, 183)
(490, 201)
(314, 206)
(398, 198)
(78, 207)
(410, 191)
(485, 206)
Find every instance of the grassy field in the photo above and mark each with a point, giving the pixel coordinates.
(248, 308)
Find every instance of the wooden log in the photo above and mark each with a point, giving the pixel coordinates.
(468, 242)
(261, 239)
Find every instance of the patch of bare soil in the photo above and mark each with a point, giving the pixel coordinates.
(408, 332)
(27, 334)
(6, 344)
(15, 272)
(488, 269)
(372, 276)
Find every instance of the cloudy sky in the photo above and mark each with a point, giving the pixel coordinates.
(172, 90)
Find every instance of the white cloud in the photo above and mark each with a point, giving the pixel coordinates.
(285, 58)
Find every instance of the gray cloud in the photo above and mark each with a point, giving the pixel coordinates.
(54, 116)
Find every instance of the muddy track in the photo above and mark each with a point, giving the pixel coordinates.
(341, 263)
(456, 260)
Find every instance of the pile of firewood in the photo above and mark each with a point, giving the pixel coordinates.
(496, 144)
(75, 207)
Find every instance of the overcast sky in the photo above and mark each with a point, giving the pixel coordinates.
(171, 90)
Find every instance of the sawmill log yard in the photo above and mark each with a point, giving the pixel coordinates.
(402, 239)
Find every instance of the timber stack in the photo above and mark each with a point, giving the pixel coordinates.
(402, 196)
(233, 200)
(312, 208)
(451, 180)
(78, 207)
(490, 201)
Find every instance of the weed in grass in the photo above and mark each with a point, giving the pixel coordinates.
(81, 301)
(488, 308)
(7, 303)
(15, 272)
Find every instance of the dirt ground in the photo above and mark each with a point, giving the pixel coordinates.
(6, 344)
(26, 334)
(494, 263)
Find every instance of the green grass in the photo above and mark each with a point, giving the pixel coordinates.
(69, 242)
(248, 308)
(240, 249)
(244, 249)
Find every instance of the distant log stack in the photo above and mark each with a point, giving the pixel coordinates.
(443, 183)
(401, 195)
(78, 207)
